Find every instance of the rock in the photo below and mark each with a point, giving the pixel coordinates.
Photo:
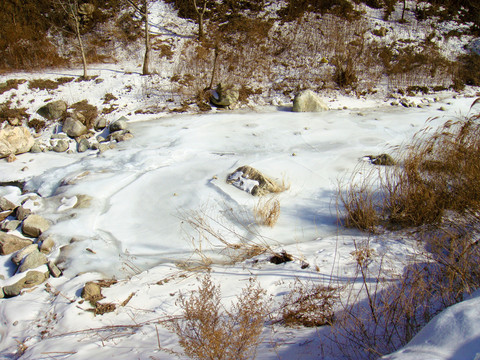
(252, 181)
(11, 243)
(22, 212)
(83, 145)
(53, 110)
(54, 270)
(120, 124)
(308, 101)
(6, 204)
(20, 254)
(475, 46)
(31, 279)
(35, 225)
(100, 124)
(83, 201)
(32, 261)
(37, 147)
(47, 245)
(11, 158)
(61, 146)
(92, 292)
(2, 295)
(10, 225)
(382, 159)
(73, 127)
(226, 96)
(5, 214)
(121, 135)
(16, 140)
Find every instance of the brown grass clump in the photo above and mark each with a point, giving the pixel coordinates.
(207, 330)
(440, 173)
(14, 116)
(309, 305)
(267, 211)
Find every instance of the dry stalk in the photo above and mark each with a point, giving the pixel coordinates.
(267, 211)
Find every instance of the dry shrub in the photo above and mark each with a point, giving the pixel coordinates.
(359, 201)
(233, 235)
(468, 71)
(37, 125)
(309, 305)
(267, 211)
(440, 173)
(207, 330)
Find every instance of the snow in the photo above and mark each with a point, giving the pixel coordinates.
(144, 191)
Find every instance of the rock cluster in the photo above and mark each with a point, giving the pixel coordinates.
(29, 253)
(76, 136)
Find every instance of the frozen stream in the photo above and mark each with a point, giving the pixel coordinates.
(176, 167)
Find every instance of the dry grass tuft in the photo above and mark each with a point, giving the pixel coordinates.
(207, 330)
(267, 211)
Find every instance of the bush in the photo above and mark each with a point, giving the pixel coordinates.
(209, 331)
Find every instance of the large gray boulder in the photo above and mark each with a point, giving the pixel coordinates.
(253, 181)
(73, 127)
(53, 110)
(15, 140)
(226, 96)
(308, 101)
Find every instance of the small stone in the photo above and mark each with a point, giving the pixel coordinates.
(83, 145)
(35, 225)
(11, 158)
(83, 201)
(92, 292)
(22, 213)
(61, 146)
(73, 127)
(11, 243)
(20, 254)
(119, 125)
(47, 245)
(100, 124)
(54, 270)
(6, 204)
(31, 279)
(32, 261)
(5, 214)
(10, 225)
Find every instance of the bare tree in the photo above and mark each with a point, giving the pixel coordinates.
(200, 14)
(70, 8)
(143, 11)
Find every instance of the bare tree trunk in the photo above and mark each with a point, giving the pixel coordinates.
(403, 11)
(74, 10)
(200, 15)
(146, 60)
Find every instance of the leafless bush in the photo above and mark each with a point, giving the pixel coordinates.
(309, 304)
(207, 330)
